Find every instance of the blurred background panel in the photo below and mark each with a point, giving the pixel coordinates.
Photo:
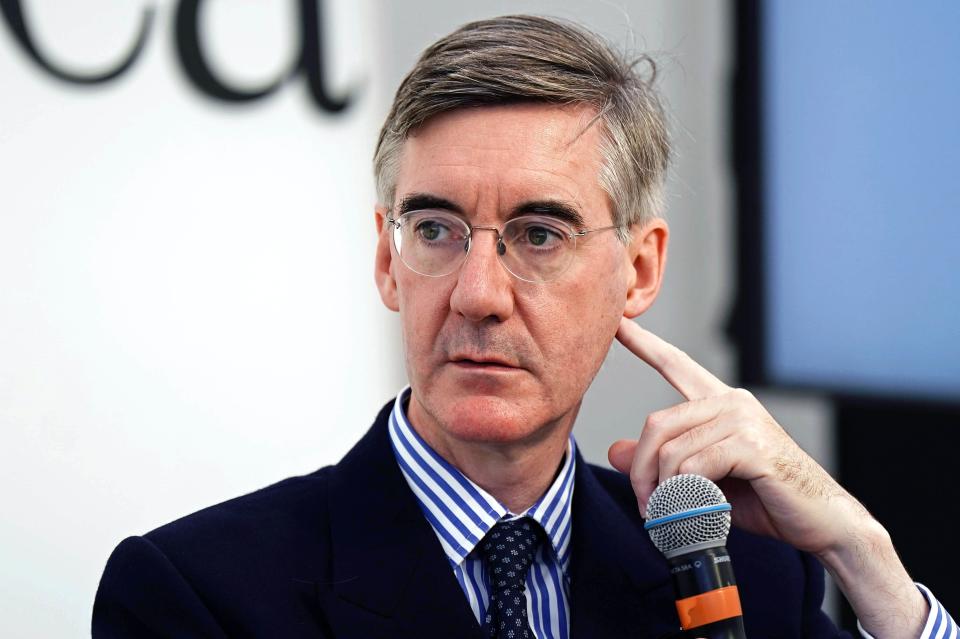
(846, 154)
(187, 308)
(861, 149)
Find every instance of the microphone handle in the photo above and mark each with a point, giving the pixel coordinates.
(708, 603)
(727, 629)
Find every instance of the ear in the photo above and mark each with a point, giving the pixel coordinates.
(383, 262)
(647, 255)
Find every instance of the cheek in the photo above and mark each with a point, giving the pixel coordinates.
(423, 310)
(584, 325)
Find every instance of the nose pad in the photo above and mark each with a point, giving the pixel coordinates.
(483, 289)
(501, 245)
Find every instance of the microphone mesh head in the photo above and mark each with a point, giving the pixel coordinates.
(679, 494)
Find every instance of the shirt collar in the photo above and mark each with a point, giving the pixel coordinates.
(461, 512)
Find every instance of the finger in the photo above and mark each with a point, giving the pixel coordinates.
(621, 454)
(714, 462)
(687, 445)
(669, 422)
(661, 427)
(679, 369)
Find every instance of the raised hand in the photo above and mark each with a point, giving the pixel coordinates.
(726, 435)
(776, 489)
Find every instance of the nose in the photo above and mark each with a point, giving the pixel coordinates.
(484, 288)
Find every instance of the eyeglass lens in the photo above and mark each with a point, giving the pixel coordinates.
(534, 248)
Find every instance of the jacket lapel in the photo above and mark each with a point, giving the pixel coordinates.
(619, 583)
(390, 576)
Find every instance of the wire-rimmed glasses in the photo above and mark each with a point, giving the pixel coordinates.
(533, 248)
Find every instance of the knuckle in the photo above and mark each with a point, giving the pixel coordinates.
(653, 423)
(690, 466)
(754, 441)
(686, 467)
(668, 450)
(707, 458)
(742, 395)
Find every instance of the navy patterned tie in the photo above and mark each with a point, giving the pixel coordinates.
(508, 550)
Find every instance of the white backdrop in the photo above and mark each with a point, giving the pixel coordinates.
(187, 309)
(186, 301)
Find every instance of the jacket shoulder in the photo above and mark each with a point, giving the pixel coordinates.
(274, 515)
(617, 485)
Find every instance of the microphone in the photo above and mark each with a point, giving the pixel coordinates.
(688, 520)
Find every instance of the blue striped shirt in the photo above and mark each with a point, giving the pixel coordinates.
(461, 513)
(940, 625)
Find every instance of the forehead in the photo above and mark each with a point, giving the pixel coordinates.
(489, 159)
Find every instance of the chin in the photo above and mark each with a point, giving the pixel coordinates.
(495, 409)
(492, 419)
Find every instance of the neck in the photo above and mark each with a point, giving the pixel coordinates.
(515, 473)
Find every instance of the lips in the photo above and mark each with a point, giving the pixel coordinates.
(483, 361)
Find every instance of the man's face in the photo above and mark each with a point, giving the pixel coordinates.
(490, 357)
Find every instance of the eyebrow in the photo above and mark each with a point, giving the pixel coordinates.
(553, 208)
(419, 201)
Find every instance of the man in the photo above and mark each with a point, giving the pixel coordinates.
(519, 176)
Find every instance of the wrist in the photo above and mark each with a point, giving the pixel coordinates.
(856, 546)
(867, 569)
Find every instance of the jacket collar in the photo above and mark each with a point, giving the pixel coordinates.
(386, 559)
(619, 583)
(388, 565)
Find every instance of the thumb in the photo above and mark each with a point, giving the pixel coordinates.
(621, 454)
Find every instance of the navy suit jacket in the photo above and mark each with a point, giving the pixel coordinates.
(346, 552)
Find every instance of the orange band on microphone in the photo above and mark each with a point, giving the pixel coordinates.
(715, 605)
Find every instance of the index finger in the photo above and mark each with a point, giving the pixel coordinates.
(679, 369)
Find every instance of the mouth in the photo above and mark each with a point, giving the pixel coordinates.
(488, 364)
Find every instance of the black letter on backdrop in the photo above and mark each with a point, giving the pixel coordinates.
(310, 61)
(14, 15)
(195, 65)
(312, 58)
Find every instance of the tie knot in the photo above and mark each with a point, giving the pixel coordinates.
(509, 549)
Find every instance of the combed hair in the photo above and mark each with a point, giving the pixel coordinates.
(521, 58)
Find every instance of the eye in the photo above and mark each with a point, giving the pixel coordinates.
(540, 235)
(432, 230)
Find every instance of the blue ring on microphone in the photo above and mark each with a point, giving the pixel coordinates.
(687, 514)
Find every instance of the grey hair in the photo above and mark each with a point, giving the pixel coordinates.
(520, 58)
